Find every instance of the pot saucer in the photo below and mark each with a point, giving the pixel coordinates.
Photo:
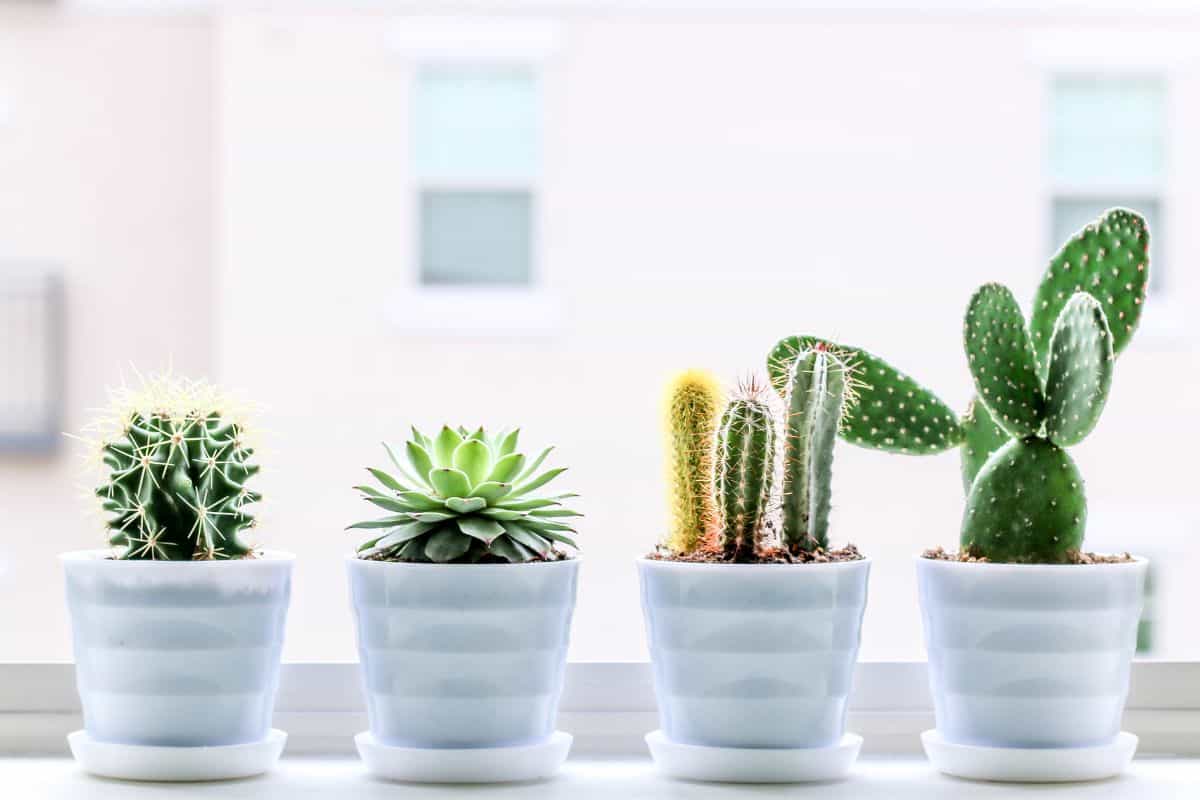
(1030, 765)
(753, 765)
(526, 762)
(136, 762)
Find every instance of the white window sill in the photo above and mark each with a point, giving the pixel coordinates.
(580, 779)
(477, 311)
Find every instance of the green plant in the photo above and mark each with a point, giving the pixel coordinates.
(693, 403)
(745, 469)
(178, 465)
(814, 395)
(463, 498)
(1039, 389)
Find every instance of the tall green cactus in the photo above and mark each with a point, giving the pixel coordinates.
(693, 402)
(814, 397)
(178, 469)
(745, 467)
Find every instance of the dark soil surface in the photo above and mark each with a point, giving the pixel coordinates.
(1073, 557)
(709, 553)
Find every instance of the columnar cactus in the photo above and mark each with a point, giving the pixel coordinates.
(693, 403)
(178, 468)
(745, 468)
(1040, 388)
(815, 398)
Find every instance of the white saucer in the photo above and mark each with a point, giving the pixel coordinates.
(751, 765)
(464, 765)
(1028, 765)
(135, 762)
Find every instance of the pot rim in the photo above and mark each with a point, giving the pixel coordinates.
(352, 558)
(104, 556)
(669, 564)
(1138, 561)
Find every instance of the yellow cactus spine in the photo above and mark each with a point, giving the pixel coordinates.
(693, 403)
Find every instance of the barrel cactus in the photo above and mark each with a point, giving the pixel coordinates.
(1040, 387)
(178, 467)
(465, 497)
(745, 470)
(693, 403)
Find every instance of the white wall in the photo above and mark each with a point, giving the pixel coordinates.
(713, 182)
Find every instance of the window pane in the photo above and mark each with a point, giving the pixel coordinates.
(475, 123)
(1071, 214)
(1107, 131)
(476, 238)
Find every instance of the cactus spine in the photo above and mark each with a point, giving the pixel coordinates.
(744, 472)
(693, 403)
(178, 469)
(815, 395)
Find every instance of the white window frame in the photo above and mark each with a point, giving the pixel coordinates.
(607, 707)
(533, 310)
(1113, 53)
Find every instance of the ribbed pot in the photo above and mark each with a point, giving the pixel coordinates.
(462, 655)
(177, 653)
(753, 655)
(1030, 655)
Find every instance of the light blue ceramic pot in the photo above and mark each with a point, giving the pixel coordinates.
(1030, 655)
(753, 655)
(462, 655)
(177, 653)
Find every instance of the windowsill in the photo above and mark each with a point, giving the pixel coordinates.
(481, 311)
(582, 778)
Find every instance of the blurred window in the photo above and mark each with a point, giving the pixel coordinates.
(1108, 148)
(31, 359)
(475, 158)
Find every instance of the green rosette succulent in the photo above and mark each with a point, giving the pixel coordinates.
(464, 497)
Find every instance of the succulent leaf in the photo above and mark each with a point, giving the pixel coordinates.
(1080, 374)
(465, 509)
(892, 411)
(1027, 505)
(1002, 361)
(1110, 260)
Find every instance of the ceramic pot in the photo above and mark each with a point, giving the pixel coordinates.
(177, 653)
(462, 655)
(753, 655)
(1030, 655)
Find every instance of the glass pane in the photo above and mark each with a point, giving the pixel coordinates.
(476, 123)
(1107, 131)
(1071, 214)
(472, 238)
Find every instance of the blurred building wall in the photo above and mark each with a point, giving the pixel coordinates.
(710, 184)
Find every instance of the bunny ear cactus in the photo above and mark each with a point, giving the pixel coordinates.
(815, 398)
(178, 467)
(693, 403)
(745, 469)
(1027, 503)
(465, 497)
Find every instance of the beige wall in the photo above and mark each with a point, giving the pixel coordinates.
(712, 183)
(106, 169)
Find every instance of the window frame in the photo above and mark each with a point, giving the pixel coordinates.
(531, 310)
(607, 707)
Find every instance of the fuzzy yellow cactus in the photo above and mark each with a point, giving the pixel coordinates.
(693, 403)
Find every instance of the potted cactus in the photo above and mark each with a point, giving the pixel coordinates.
(178, 626)
(753, 620)
(463, 595)
(1030, 637)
